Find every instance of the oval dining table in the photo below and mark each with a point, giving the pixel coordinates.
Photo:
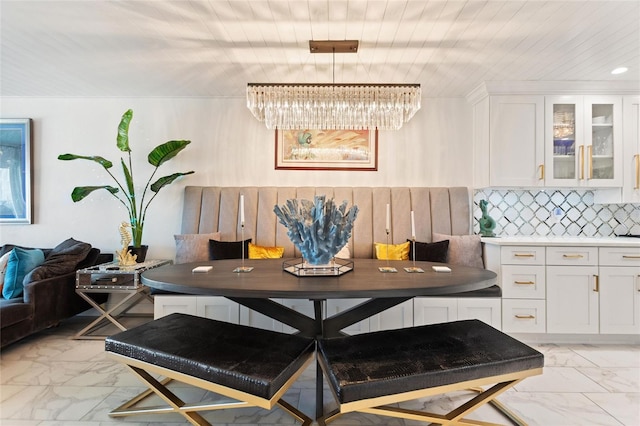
(268, 280)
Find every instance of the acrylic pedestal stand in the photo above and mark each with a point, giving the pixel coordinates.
(243, 268)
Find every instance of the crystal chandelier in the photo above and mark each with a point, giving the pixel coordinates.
(333, 106)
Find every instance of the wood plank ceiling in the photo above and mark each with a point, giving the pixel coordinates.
(211, 48)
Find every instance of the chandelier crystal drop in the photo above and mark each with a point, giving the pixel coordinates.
(333, 106)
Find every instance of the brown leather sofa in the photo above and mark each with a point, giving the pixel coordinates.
(45, 302)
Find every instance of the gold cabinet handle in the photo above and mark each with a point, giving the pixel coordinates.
(637, 158)
(581, 155)
(596, 281)
(525, 316)
(572, 256)
(590, 161)
(524, 282)
(628, 256)
(541, 170)
(523, 255)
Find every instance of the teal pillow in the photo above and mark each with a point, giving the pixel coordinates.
(21, 262)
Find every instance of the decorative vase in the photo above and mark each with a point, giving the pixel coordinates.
(140, 252)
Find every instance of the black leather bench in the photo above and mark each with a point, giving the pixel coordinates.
(367, 372)
(253, 366)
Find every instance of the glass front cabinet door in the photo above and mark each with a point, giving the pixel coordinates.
(583, 145)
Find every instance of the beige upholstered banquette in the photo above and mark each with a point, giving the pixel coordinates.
(437, 210)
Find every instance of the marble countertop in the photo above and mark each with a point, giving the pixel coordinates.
(563, 241)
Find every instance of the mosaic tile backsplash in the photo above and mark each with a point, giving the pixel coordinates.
(526, 212)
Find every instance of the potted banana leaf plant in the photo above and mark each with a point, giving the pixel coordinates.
(125, 191)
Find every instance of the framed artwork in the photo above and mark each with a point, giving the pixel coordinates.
(15, 171)
(327, 149)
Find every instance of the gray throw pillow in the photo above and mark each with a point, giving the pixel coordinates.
(193, 247)
(464, 250)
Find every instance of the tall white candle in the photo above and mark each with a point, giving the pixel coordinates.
(388, 222)
(413, 226)
(242, 209)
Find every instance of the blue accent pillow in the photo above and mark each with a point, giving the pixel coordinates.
(21, 262)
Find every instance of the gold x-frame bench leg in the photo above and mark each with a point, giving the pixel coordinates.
(190, 411)
(455, 417)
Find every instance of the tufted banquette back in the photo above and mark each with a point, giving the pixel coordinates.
(209, 209)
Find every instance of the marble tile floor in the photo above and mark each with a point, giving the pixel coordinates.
(50, 380)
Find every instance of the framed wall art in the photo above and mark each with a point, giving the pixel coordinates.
(15, 171)
(327, 150)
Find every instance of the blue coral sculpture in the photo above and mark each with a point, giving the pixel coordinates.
(319, 229)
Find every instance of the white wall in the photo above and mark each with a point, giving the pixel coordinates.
(228, 148)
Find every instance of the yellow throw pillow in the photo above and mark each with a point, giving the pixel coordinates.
(392, 251)
(261, 252)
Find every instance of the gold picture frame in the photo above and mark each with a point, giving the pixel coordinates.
(312, 149)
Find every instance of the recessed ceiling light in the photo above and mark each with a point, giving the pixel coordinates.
(620, 70)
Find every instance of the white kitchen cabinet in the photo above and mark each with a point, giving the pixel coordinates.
(256, 319)
(433, 310)
(304, 306)
(619, 289)
(335, 306)
(522, 255)
(619, 300)
(218, 308)
(572, 256)
(631, 157)
(486, 309)
(510, 151)
(516, 133)
(568, 288)
(524, 315)
(523, 283)
(399, 316)
(572, 299)
(165, 304)
(535, 140)
(583, 141)
(572, 289)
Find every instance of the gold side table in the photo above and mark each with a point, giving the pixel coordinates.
(113, 279)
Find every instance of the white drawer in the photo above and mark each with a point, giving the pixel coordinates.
(522, 255)
(572, 256)
(523, 281)
(523, 316)
(619, 256)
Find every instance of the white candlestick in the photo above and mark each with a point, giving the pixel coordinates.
(413, 226)
(388, 222)
(242, 209)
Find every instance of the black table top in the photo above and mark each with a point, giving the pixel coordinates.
(269, 280)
